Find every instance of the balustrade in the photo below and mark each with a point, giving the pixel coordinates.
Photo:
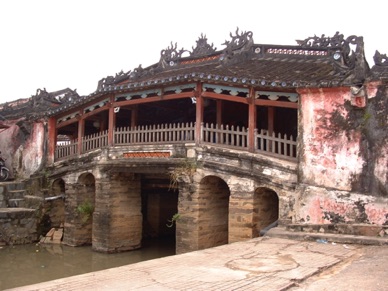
(235, 137)
(66, 149)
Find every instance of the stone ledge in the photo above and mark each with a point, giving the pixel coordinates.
(341, 228)
(16, 210)
(330, 237)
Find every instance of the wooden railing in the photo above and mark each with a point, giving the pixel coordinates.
(94, 141)
(155, 134)
(66, 149)
(275, 144)
(235, 137)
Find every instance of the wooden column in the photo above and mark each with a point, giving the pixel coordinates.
(103, 123)
(111, 121)
(134, 112)
(271, 116)
(219, 112)
(252, 116)
(81, 132)
(199, 112)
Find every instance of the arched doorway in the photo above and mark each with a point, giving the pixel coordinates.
(213, 212)
(266, 208)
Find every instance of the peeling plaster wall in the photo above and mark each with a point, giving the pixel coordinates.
(33, 152)
(330, 154)
(323, 206)
(381, 170)
(10, 140)
(24, 151)
(343, 170)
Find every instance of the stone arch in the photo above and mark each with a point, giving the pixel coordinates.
(213, 212)
(87, 179)
(58, 187)
(265, 208)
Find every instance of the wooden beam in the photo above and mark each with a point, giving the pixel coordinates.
(153, 99)
(283, 104)
(67, 122)
(96, 111)
(225, 97)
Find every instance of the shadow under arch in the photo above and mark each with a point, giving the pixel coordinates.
(265, 208)
(213, 212)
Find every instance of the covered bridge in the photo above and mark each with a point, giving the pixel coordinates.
(211, 146)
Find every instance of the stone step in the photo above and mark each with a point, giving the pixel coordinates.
(20, 185)
(15, 194)
(54, 236)
(15, 203)
(12, 212)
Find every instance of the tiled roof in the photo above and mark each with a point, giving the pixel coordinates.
(314, 62)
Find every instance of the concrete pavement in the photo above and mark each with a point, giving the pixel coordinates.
(266, 263)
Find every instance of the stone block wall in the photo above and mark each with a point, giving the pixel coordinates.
(217, 209)
(117, 219)
(2, 198)
(18, 226)
(213, 207)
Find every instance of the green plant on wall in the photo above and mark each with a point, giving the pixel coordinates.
(188, 168)
(173, 220)
(86, 209)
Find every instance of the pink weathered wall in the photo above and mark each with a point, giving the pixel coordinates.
(343, 170)
(33, 152)
(321, 206)
(330, 155)
(24, 153)
(8, 141)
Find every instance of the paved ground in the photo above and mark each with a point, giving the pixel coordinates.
(266, 263)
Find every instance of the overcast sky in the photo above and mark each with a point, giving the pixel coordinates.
(74, 43)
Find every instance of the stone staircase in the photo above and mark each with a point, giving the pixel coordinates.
(18, 213)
